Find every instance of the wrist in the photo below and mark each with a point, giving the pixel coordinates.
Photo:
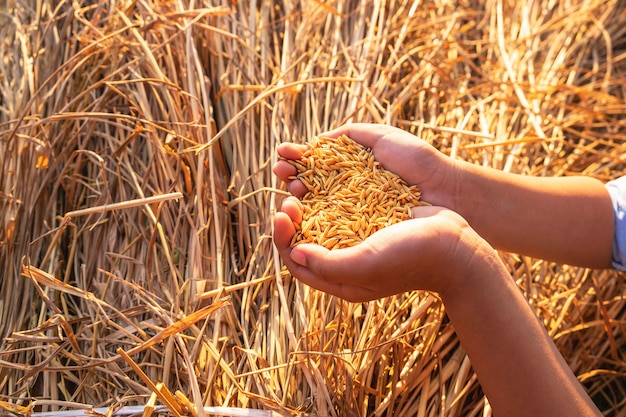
(476, 266)
(444, 187)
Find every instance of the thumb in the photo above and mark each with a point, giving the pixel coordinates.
(338, 265)
(420, 212)
(310, 256)
(333, 271)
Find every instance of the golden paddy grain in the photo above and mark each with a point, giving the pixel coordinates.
(349, 195)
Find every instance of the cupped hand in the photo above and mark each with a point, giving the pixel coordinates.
(428, 252)
(413, 159)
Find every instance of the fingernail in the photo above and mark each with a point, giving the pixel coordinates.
(298, 257)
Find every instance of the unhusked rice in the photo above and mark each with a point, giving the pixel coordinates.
(350, 195)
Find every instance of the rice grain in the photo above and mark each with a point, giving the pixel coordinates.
(350, 196)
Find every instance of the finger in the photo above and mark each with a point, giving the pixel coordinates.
(292, 207)
(366, 134)
(284, 230)
(289, 150)
(339, 266)
(297, 264)
(284, 170)
(296, 188)
(283, 234)
(419, 212)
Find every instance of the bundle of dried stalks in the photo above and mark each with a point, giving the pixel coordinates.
(136, 139)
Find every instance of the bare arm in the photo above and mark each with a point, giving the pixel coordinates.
(518, 365)
(563, 219)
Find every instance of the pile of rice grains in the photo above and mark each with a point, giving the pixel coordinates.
(349, 195)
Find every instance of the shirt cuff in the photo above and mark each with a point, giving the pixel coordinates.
(617, 191)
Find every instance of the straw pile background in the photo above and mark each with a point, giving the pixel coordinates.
(136, 197)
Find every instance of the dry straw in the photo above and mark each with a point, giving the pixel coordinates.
(350, 196)
(136, 196)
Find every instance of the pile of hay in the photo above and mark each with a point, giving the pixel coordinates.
(136, 196)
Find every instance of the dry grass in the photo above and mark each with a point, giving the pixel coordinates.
(136, 196)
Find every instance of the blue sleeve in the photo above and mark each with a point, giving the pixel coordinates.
(617, 190)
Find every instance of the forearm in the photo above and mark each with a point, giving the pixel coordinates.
(563, 219)
(518, 365)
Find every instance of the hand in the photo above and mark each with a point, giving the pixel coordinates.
(428, 252)
(398, 151)
(438, 251)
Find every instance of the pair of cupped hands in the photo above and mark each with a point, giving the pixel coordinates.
(431, 251)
